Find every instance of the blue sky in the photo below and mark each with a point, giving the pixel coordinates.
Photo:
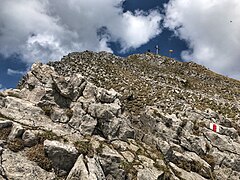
(166, 40)
(204, 31)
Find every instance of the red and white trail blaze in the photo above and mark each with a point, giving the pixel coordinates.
(214, 127)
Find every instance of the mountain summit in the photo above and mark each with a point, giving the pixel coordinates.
(97, 116)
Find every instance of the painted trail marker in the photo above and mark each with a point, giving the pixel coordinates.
(214, 127)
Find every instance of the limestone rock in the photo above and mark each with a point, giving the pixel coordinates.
(77, 114)
(62, 155)
(141, 117)
(82, 121)
(226, 173)
(86, 169)
(121, 145)
(88, 125)
(110, 161)
(79, 83)
(59, 115)
(90, 91)
(33, 92)
(70, 87)
(104, 111)
(230, 132)
(148, 174)
(223, 142)
(19, 167)
(128, 156)
(16, 132)
(105, 96)
(79, 170)
(194, 143)
(185, 174)
(5, 123)
(148, 171)
(29, 138)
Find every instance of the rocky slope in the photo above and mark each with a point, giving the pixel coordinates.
(99, 116)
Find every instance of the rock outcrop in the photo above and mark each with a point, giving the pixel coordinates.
(97, 116)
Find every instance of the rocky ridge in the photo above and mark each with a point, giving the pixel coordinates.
(99, 116)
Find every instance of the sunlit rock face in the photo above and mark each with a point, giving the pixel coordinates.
(99, 116)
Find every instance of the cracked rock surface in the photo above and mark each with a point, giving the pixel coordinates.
(97, 116)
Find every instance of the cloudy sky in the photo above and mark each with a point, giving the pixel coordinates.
(204, 31)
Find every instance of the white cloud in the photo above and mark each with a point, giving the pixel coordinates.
(211, 28)
(12, 72)
(48, 29)
(139, 28)
(2, 88)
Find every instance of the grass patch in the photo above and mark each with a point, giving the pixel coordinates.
(85, 148)
(128, 167)
(151, 78)
(196, 166)
(210, 160)
(151, 152)
(4, 132)
(167, 173)
(14, 94)
(37, 154)
(197, 126)
(47, 135)
(141, 151)
(15, 144)
(181, 127)
(100, 149)
(47, 110)
(69, 113)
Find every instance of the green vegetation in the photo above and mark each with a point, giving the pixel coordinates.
(85, 148)
(37, 154)
(48, 135)
(13, 94)
(128, 168)
(210, 160)
(69, 113)
(15, 144)
(99, 150)
(148, 79)
(47, 110)
(4, 132)
(197, 126)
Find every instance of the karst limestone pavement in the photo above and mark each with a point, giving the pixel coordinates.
(96, 116)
